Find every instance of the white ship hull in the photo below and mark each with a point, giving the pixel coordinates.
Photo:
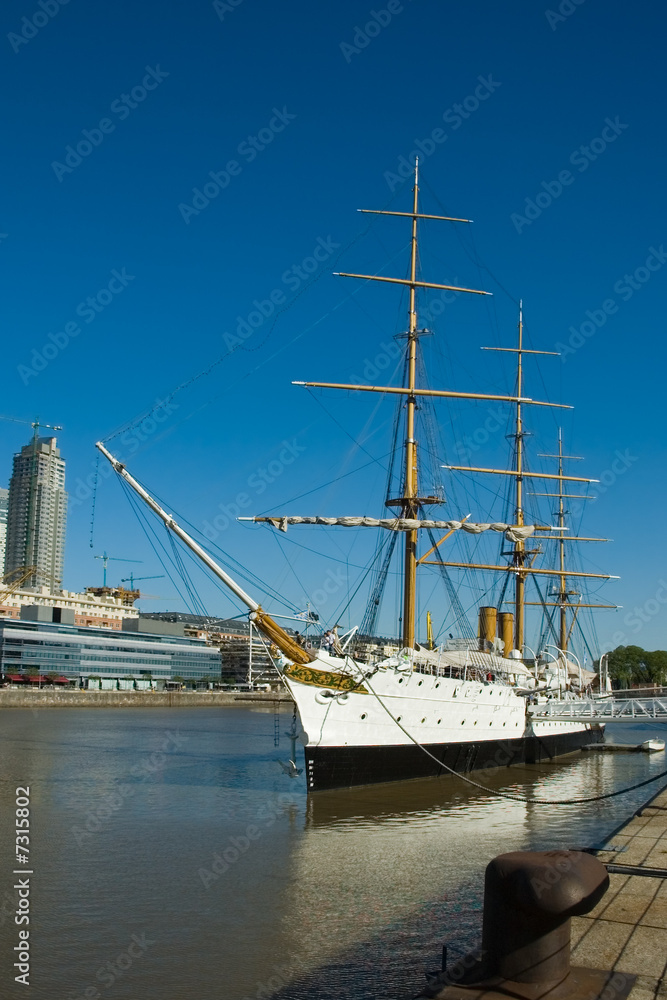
(380, 727)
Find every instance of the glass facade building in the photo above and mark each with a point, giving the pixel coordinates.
(79, 652)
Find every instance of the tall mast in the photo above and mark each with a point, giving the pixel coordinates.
(519, 547)
(520, 565)
(410, 502)
(409, 507)
(561, 546)
(563, 595)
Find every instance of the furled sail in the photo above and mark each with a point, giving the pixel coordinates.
(513, 532)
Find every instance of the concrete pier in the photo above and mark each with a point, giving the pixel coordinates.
(53, 698)
(627, 930)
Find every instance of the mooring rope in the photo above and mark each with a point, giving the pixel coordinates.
(509, 795)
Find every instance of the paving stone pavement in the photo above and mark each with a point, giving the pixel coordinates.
(627, 930)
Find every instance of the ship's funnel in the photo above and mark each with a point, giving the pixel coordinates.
(487, 627)
(506, 631)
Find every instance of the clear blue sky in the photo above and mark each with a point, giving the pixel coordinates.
(304, 112)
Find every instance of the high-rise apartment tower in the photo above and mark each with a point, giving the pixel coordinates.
(37, 514)
(4, 499)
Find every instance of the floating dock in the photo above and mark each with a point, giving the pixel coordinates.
(627, 930)
(626, 747)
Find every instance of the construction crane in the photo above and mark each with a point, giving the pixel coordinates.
(107, 559)
(35, 424)
(131, 578)
(24, 573)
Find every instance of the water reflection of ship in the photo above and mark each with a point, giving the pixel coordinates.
(425, 798)
(389, 872)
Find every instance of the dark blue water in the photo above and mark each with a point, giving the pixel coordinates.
(174, 859)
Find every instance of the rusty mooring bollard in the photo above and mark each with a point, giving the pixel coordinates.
(529, 898)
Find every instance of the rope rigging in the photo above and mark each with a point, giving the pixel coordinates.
(461, 618)
(369, 621)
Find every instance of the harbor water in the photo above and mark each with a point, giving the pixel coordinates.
(173, 859)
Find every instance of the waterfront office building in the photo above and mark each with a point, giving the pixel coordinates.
(103, 657)
(37, 513)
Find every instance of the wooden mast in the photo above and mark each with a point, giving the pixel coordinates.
(519, 565)
(409, 507)
(519, 547)
(410, 502)
(563, 597)
(561, 547)
(519, 551)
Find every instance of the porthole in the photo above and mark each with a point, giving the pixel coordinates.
(400, 680)
(398, 718)
(420, 684)
(475, 721)
(439, 721)
(363, 716)
(463, 722)
(423, 720)
(437, 686)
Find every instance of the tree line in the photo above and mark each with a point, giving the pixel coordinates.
(631, 665)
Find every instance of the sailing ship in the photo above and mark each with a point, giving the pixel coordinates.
(465, 705)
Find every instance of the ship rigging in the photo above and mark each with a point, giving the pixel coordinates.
(467, 703)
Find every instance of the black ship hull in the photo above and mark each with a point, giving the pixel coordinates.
(346, 766)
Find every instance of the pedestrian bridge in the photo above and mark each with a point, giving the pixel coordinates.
(603, 710)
